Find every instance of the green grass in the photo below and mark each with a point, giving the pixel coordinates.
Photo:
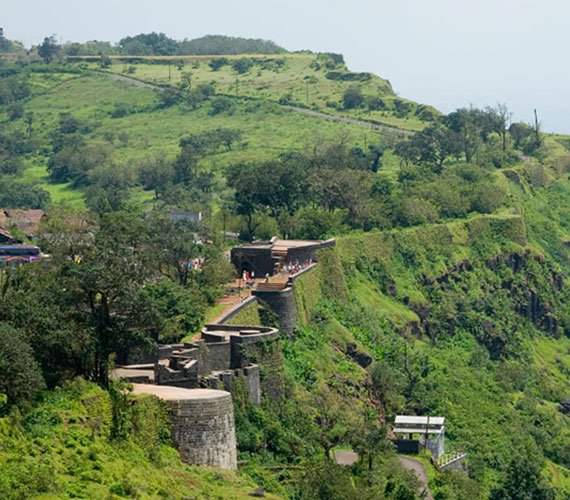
(268, 130)
(56, 451)
(387, 307)
(304, 85)
(61, 194)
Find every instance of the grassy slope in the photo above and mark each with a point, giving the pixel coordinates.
(475, 396)
(267, 128)
(63, 449)
(293, 80)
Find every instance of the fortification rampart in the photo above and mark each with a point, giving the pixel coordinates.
(196, 378)
(240, 313)
(223, 353)
(201, 424)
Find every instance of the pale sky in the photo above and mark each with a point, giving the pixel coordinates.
(449, 53)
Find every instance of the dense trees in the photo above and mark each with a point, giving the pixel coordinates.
(20, 377)
(13, 88)
(148, 44)
(523, 481)
(331, 187)
(111, 284)
(218, 44)
(432, 146)
(18, 194)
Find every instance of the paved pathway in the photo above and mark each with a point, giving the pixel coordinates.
(132, 81)
(419, 470)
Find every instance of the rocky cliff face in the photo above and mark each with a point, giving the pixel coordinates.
(493, 299)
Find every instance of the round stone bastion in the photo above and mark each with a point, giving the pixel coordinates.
(201, 423)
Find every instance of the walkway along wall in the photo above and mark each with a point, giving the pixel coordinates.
(196, 378)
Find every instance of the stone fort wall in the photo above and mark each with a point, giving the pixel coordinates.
(201, 424)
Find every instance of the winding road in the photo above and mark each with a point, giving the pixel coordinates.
(419, 470)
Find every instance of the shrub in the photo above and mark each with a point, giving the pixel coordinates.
(242, 65)
(121, 109)
(218, 62)
(221, 104)
(352, 98)
(413, 211)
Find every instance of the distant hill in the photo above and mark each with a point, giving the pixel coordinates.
(228, 45)
(159, 44)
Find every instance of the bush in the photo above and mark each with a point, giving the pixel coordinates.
(402, 108)
(375, 103)
(242, 65)
(181, 309)
(17, 194)
(352, 98)
(168, 97)
(121, 109)
(413, 211)
(315, 223)
(221, 104)
(218, 62)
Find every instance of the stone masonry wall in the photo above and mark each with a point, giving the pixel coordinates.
(203, 430)
(282, 303)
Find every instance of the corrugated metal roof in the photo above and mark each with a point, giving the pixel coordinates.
(415, 420)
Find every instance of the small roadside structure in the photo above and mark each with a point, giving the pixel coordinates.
(179, 215)
(415, 431)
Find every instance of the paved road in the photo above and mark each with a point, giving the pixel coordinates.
(307, 112)
(418, 469)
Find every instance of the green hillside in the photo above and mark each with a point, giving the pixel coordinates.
(144, 131)
(65, 448)
(315, 81)
(446, 294)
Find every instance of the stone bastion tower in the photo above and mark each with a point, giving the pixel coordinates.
(201, 423)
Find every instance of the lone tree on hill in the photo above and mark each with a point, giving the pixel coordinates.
(49, 49)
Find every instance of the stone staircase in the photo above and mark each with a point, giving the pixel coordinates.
(271, 287)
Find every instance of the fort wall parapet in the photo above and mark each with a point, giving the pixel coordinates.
(222, 353)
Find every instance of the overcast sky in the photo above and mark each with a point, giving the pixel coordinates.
(448, 53)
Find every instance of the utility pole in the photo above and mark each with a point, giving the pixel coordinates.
(427, 432)
(536, 126)
(307, 92)
(169, 74)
